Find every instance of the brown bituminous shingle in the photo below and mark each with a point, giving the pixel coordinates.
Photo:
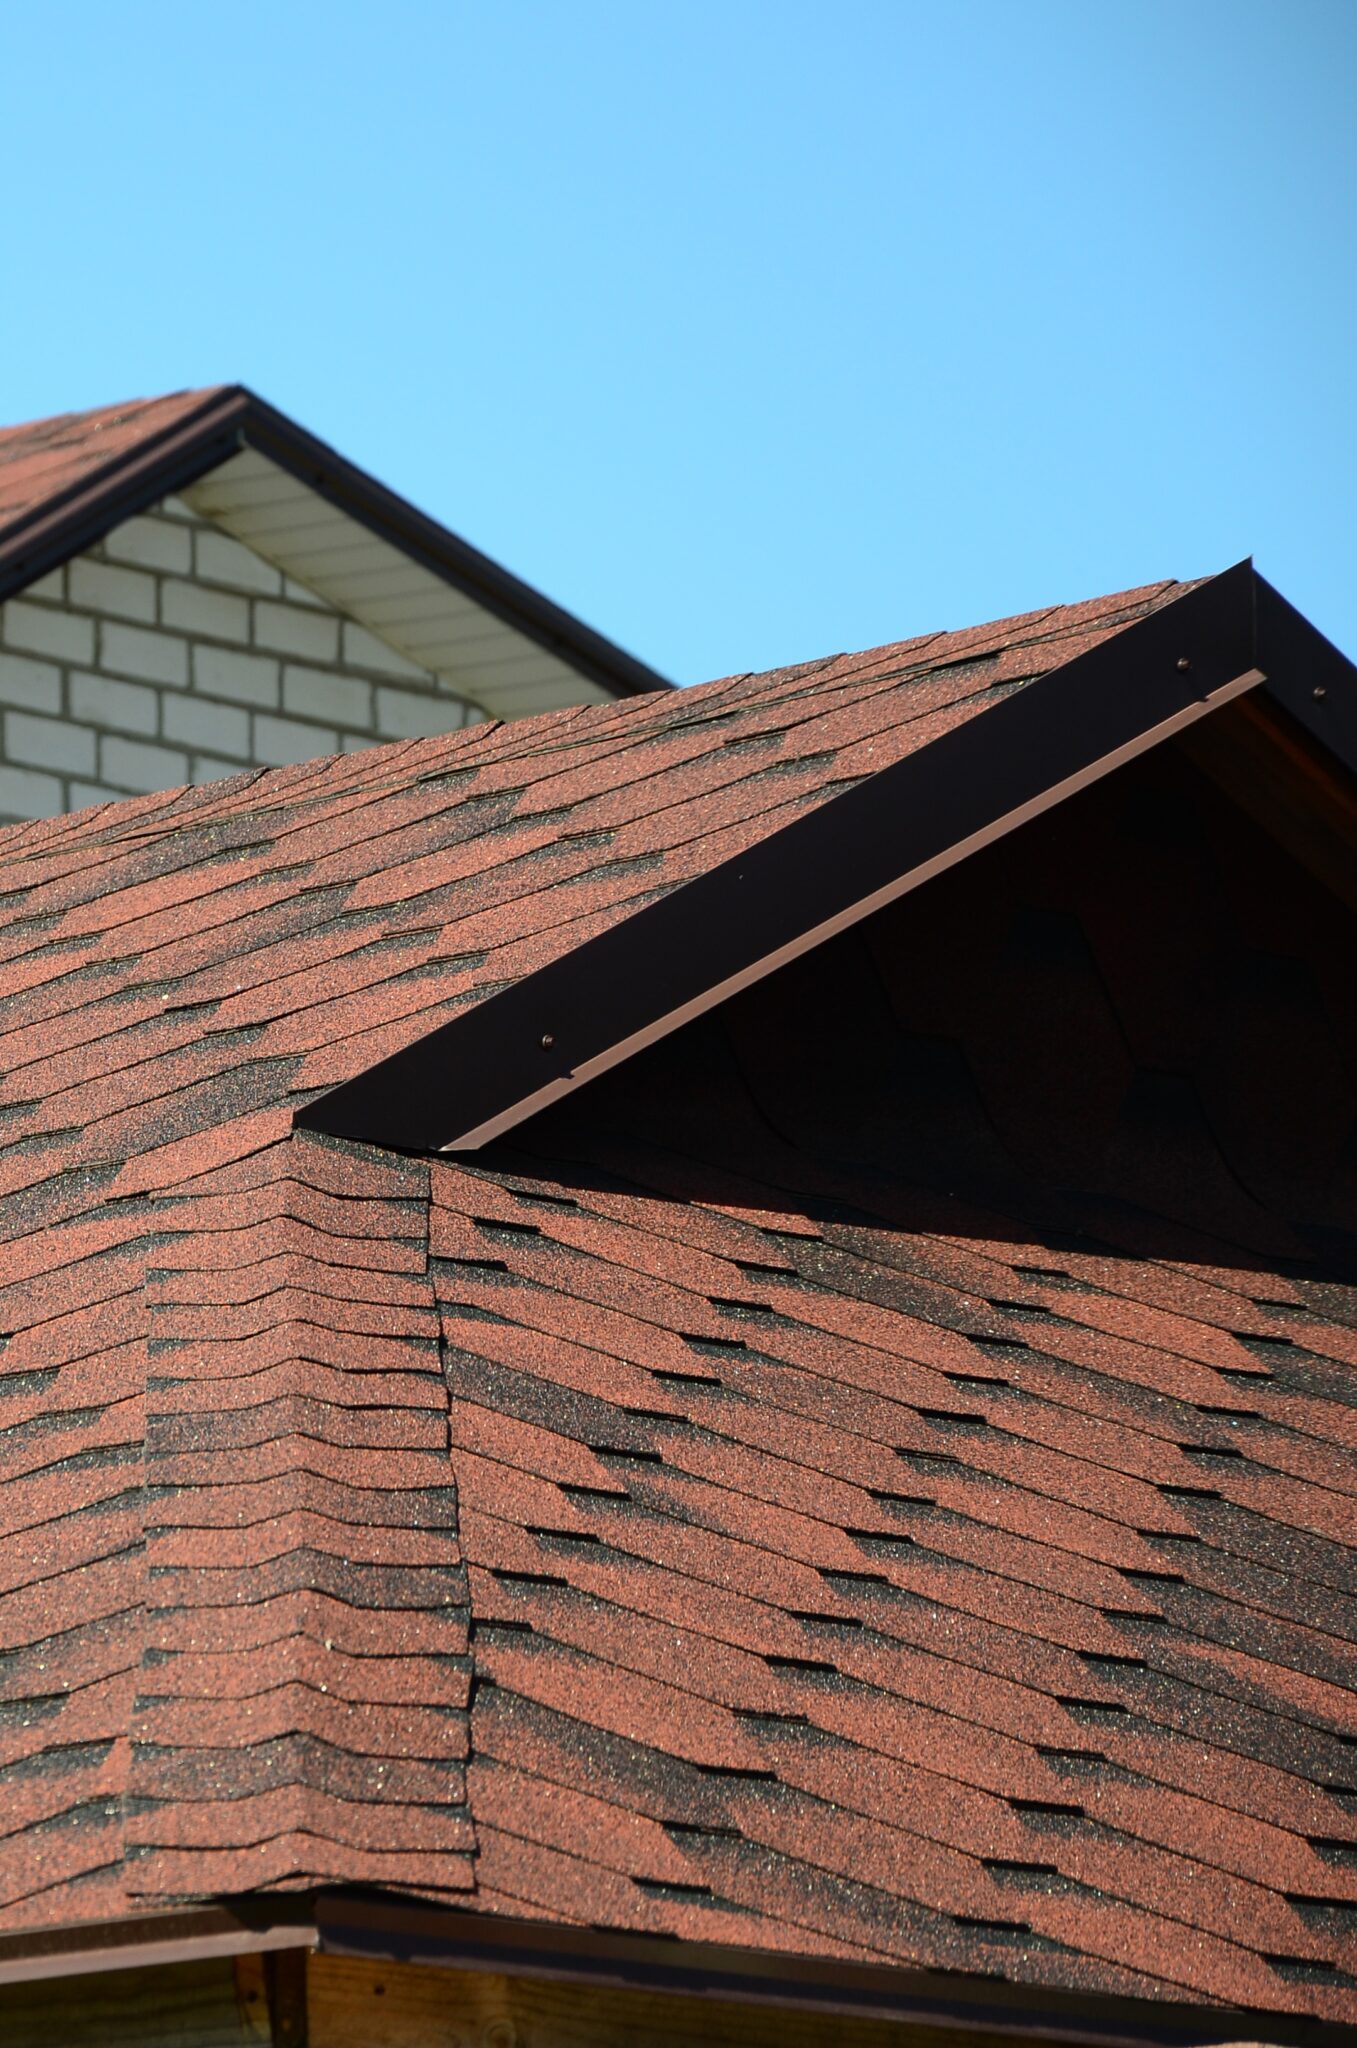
(303, 1584)
(884, 1577)
(790, 1550)
(44, 460)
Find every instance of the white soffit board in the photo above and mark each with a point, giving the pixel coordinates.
(475, 653)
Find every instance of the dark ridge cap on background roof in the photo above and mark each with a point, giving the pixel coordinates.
(204, 429)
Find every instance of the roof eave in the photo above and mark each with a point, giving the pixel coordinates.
(389, 1929)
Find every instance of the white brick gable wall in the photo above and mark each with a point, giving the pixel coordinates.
(172, 653)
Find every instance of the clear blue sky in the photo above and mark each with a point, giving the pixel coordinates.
(748, 331)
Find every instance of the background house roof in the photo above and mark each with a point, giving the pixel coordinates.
(240, 1646)
(43, 463)
(65, 481)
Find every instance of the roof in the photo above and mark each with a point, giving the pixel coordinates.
(65, 482)
(44, 463)
(434, 1523)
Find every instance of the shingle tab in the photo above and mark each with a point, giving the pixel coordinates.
(909, 1524)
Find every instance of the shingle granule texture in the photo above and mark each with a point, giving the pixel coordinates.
(44, 461)
(872, 1477)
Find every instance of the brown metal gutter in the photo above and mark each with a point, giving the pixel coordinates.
(234, 418)
(385, 1929)
(194, 1935)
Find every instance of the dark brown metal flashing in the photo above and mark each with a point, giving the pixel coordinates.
(396, 1931)
(195, 1934)
(487, 1070)
(381, 1927)
(234, 418)
(1307, 676)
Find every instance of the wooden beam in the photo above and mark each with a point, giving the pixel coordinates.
(355, 2003)
(285, 1977)
(283, 2001)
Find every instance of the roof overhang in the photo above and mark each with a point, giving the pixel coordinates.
(478, 1076)
(389, 1929)
(327, 523)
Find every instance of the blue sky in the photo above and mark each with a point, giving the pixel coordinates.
(748, 331)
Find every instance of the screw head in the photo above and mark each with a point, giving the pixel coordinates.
(547, 1041)
(1319, 693)
(1184, 663)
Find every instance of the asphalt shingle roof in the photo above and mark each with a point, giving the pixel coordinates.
(722, 1556)
(42, 461)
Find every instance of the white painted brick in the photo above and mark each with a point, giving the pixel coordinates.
(32, 685)
(320, 693)
(281, 741)
(218, 728)
(250, 640)
(127, 707)
(245, 678)
(401, 715)
(132, 764)
(149, 657)
(364, 650)
(194, 609)
(26, 795)
(38, 630)
(206, 768)
(151, 543)
(223, 560)
(51, 588)
(49, 743)
(289, 629)
(100, 587)
(81, 794)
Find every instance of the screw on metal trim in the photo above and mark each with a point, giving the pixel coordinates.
(1183, 662)
(547, 1041)
(1319, 693)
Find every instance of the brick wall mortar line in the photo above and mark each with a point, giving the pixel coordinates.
(107, 646)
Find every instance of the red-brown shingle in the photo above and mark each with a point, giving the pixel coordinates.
(910, 1526)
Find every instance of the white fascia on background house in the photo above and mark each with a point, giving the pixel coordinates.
(275, 605)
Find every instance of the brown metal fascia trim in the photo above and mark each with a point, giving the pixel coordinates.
(388, 1930)
(78, 517)
(852, 914)
(194, 1935)
(488, 1069)
(1307, 675)
(454, 561)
